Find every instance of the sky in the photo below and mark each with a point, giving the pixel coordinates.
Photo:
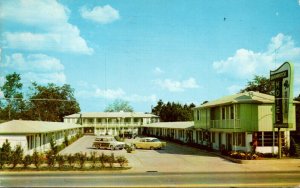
(142, 51)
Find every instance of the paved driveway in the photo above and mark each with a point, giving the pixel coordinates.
(174, 158)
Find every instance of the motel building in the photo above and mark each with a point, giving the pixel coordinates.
(36, 135)
(235, 122)
(232, 122)
(111, 123)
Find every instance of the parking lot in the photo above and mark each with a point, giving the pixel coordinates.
(174, 158)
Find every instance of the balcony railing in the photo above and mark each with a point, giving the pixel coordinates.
(112, 125)
(226, 124)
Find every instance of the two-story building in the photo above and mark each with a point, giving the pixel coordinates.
(111, 123)
(235, 122)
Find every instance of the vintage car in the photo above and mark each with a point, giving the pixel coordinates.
(107, 142)
(149, 143)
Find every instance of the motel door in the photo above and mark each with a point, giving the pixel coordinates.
(229, 141)
(220, 141)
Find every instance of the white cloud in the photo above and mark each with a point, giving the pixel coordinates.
(176, 86)
(109, 93)
(233, 89)
(158, 71)
(36, 67)
(112, 94)
(102, 15)
(246, 63)
(50, 21)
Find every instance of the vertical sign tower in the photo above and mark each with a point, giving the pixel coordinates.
(283, 81)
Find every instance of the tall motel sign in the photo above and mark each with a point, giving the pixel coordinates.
(283, 79)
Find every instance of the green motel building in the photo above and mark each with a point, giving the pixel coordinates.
(235, 122)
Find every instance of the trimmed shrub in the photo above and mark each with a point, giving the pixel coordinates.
(60, 161)
(71, 160)
(122, 161)
(66, 140)
(27, 161)
(5, 153)
(37, 159)
(50, 157)
(111, 160)
(93, 158)
(103, 159)
(16, 156)
(81, 159)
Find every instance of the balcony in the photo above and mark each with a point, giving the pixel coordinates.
(225, 124)
(113, 125)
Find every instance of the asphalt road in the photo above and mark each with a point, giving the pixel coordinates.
(216, 179)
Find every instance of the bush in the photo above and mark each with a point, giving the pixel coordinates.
(5, 153)
(60, 160)
(37, 159)
(93, 158)
(122, 161)
(111, 160)
(50, 157)
(71, 160)
(128, 148)
(66, 140)
(27, 161)
(53, 146)
(81, 159)
(16, 156)
(103, 159)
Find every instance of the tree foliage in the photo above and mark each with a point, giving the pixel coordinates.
(12, 93)
(61, 102)
(260, 84)
(46, 103)
(172, 111)
(118, 106)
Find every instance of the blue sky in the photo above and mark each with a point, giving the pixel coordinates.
(142, 51)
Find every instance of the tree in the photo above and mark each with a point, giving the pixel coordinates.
(118, 106)
(260, 84)
(173, 111)
(52, 102)
(12, 92)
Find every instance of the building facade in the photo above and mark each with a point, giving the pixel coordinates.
(241, 122)
(111, 123)
(36, 135)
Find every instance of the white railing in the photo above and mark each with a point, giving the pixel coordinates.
(112, 125)
(225, 124)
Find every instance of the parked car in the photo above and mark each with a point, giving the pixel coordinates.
(108, 142)
(149, 143)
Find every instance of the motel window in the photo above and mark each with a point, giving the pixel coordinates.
(223, 113)
(198, 115)
(231, 112)
(266, 138)
(239, 139)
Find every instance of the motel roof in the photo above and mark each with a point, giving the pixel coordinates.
(33, 127)
(111, 115)
(246, 97)
(176, 125)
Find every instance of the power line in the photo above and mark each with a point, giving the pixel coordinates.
(61, 100)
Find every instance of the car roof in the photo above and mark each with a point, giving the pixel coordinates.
(149, 138)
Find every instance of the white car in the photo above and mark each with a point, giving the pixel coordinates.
(108, 142)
